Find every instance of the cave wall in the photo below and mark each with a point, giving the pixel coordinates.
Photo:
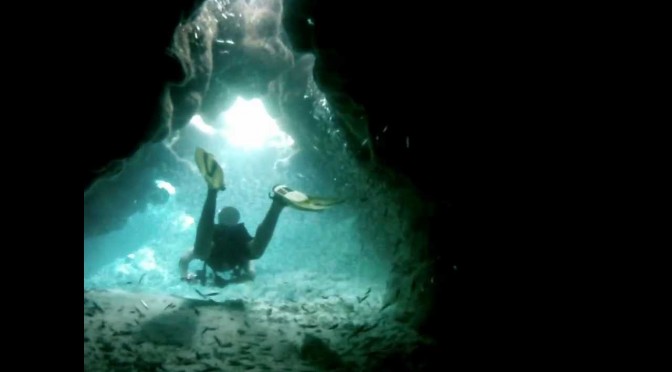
(125, 66)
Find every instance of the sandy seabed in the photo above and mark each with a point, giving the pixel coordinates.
(132, 331)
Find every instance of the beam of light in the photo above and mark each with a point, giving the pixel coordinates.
(186, 221)
(248, 125)
(166, 186)
(198, 123)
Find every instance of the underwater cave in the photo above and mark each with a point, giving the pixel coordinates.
(291, 93)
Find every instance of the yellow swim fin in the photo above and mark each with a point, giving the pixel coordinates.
(298, 200)
(210, 169)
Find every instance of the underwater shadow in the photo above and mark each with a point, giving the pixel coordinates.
(178, 327)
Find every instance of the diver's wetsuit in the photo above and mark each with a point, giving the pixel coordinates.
(230, 247)
(229, 251)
